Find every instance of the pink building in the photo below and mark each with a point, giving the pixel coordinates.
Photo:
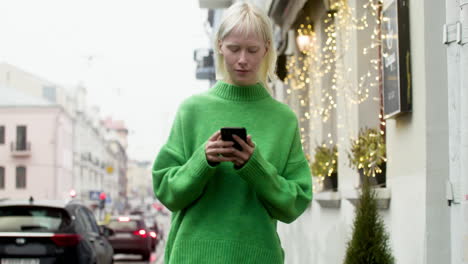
(36, 148)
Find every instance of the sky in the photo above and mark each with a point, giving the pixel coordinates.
(134, 57)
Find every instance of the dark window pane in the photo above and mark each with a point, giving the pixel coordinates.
(85, 220)
(2, 178)
(92, 221)
(21, 138)
(20, 177)
(32, 219)
(2, 135)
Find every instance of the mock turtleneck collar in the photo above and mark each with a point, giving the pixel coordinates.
(240, 93)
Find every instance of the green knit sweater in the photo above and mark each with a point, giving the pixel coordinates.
(221, 214)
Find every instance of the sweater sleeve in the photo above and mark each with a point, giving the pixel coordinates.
(178, 181)
(284, 196)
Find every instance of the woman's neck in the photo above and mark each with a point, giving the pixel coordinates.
(229, 81)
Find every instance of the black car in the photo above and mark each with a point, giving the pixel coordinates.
(131, 236)
(51, 232)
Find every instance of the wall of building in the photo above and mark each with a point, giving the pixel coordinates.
(49, 166)
(417, 151)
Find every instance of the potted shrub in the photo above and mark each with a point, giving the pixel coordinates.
(370, 241)
(325, 166)
(368, 155)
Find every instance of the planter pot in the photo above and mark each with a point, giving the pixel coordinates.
(331, 182)
(380, 179)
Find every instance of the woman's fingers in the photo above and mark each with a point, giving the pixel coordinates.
(250, 142)
(220, 144)
(245, 147)
(215, 151)
(215, 136)
(216, 158)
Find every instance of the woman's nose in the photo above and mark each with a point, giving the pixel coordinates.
(242, 58)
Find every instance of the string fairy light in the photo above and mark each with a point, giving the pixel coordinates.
(307, 68)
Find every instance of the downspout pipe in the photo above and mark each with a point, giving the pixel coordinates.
(56, 164)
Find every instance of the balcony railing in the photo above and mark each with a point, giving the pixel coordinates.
(20, 149)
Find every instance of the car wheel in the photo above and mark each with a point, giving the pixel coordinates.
(146, 256)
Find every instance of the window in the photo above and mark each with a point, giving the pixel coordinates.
(87, 220)
(2, 178)
(21, 138)
(49, 93)
(119, 225)
(2, 134)
(33, 219)
(20, 177)
(92, 221)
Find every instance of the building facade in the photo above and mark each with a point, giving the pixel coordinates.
(335, 84)
(98, 160)
(140, 186)
(36, 150)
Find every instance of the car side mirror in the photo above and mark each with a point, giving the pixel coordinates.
(106, 231)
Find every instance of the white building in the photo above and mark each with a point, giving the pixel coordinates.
(35, 147)
(140, 183)
(116, 137)
(94, 159)
(426, 148)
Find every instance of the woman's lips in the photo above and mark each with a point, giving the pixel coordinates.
(242, 71)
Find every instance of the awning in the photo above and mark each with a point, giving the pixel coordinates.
(284, 12)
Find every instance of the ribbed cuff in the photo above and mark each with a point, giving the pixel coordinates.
(199, 164)
(258, 172)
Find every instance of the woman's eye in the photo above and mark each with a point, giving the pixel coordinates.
(234, 49)
(253, 50)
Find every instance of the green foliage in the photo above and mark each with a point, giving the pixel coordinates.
(369, 243)
(368, 152)
(325, 161)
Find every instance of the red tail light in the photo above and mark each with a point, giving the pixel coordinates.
(140, 232)
(153, 234)
(66, 240)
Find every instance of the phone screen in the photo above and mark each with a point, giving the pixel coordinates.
(227, 132)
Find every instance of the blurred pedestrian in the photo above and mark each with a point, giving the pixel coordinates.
(226, 201)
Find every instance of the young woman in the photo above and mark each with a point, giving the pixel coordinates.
(226, 202)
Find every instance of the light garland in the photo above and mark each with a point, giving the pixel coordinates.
(308, 68)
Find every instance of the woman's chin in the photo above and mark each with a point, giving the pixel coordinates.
(244, 82)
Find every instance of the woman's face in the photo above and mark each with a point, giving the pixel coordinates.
(242, 57)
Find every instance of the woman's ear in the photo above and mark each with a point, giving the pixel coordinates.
(267, 47)
(220, 45)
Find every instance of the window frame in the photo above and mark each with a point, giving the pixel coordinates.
(2, 135)
(17, 175)
(2, 178)
(21, 140)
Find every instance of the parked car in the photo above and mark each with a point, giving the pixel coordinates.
(51, 232)
(131, 236)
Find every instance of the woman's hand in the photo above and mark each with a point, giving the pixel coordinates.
(217, 150)
(241, 157)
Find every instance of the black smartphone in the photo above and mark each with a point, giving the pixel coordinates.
(227, 132)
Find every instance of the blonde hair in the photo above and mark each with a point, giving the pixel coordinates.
(248, 19)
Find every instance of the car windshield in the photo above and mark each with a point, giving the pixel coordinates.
(123, 225)
(32, 219)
